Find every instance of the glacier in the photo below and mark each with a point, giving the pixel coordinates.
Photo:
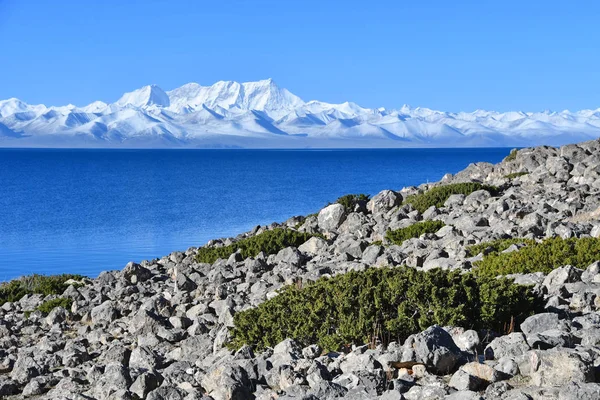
(261, 114)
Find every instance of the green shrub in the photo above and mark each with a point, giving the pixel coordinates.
(540, 257)
(512, 156)
(269, 242)
(387, 303)
(438, 195)
(413, 231)
(50, 305)
(350, 201)
(515, 175)
(35, 284)
(496, 246)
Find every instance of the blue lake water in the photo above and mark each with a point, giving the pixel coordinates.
(85, 211)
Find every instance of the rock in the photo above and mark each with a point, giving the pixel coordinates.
(290, 256)
(558, 367)
(462, 380)
(558, 277)
(143, 358)
(433, 347)
(144, 384)
(579, 391)
(331, 217)
(25, 368)
(511, 345)
(56, 316)
(33, 388)
(311, 352)
(227, 382)
(540, 322)
(467, 341)
(483, 372)
(135, 273)
(105, 313)
(314, 245)
(8, 387)
(384, 201)
(167, 393)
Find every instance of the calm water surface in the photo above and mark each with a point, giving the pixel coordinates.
(84, 211)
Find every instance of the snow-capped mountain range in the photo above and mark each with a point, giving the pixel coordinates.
(263, 115)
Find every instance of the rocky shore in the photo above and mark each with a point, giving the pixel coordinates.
(160, 329)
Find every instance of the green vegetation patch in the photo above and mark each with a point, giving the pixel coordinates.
(269, 242)
(386, 303)
(496, 246)
(438, 195)
(35, 284)
(537, 257)
(512, 156)
(350, 201)
(50, 305)
(515, 175)
(413, 231)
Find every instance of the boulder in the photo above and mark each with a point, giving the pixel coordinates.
(557, 367)
(331, 217)
(384, 201)
(433, 347)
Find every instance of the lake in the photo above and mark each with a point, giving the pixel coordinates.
(85, 211)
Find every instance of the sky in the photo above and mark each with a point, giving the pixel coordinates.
(446, 55)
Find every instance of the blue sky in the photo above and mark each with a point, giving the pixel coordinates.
(448, 55)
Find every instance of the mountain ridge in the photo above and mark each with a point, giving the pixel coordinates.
(262, 114)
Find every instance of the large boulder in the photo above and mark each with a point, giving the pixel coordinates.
(433, 347)
(227, 382)
(511, 345)
(105, 313)
(313, 246)
(331, 217)
(557, 367)
(384, 201)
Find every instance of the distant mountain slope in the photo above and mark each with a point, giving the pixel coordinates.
(261, 114)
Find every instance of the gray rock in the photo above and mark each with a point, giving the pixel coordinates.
(462, 380)
(167, 393)
(143, 358)
(384, 201)
(331, 217)
(511, 345)
(135, 273)
(558, 367)
(105, 313)
(541, 322)
(227, 382)
(467, 341)
(433, 347)
(144, 384)
(314, 245)
(8, 387)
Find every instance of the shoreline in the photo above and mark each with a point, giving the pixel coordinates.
(442, 290)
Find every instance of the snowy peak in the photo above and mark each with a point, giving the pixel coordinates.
(150, 95)
(262, 95)
(262, 114)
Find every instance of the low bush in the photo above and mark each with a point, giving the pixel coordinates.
(35, 284)
(386, 303)
(413, 231)
(511, 156)
(515, 175)
(269, 242)
(538, 257)
(350, 201)
(438, 195)
(496, 246)
(50, 305)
